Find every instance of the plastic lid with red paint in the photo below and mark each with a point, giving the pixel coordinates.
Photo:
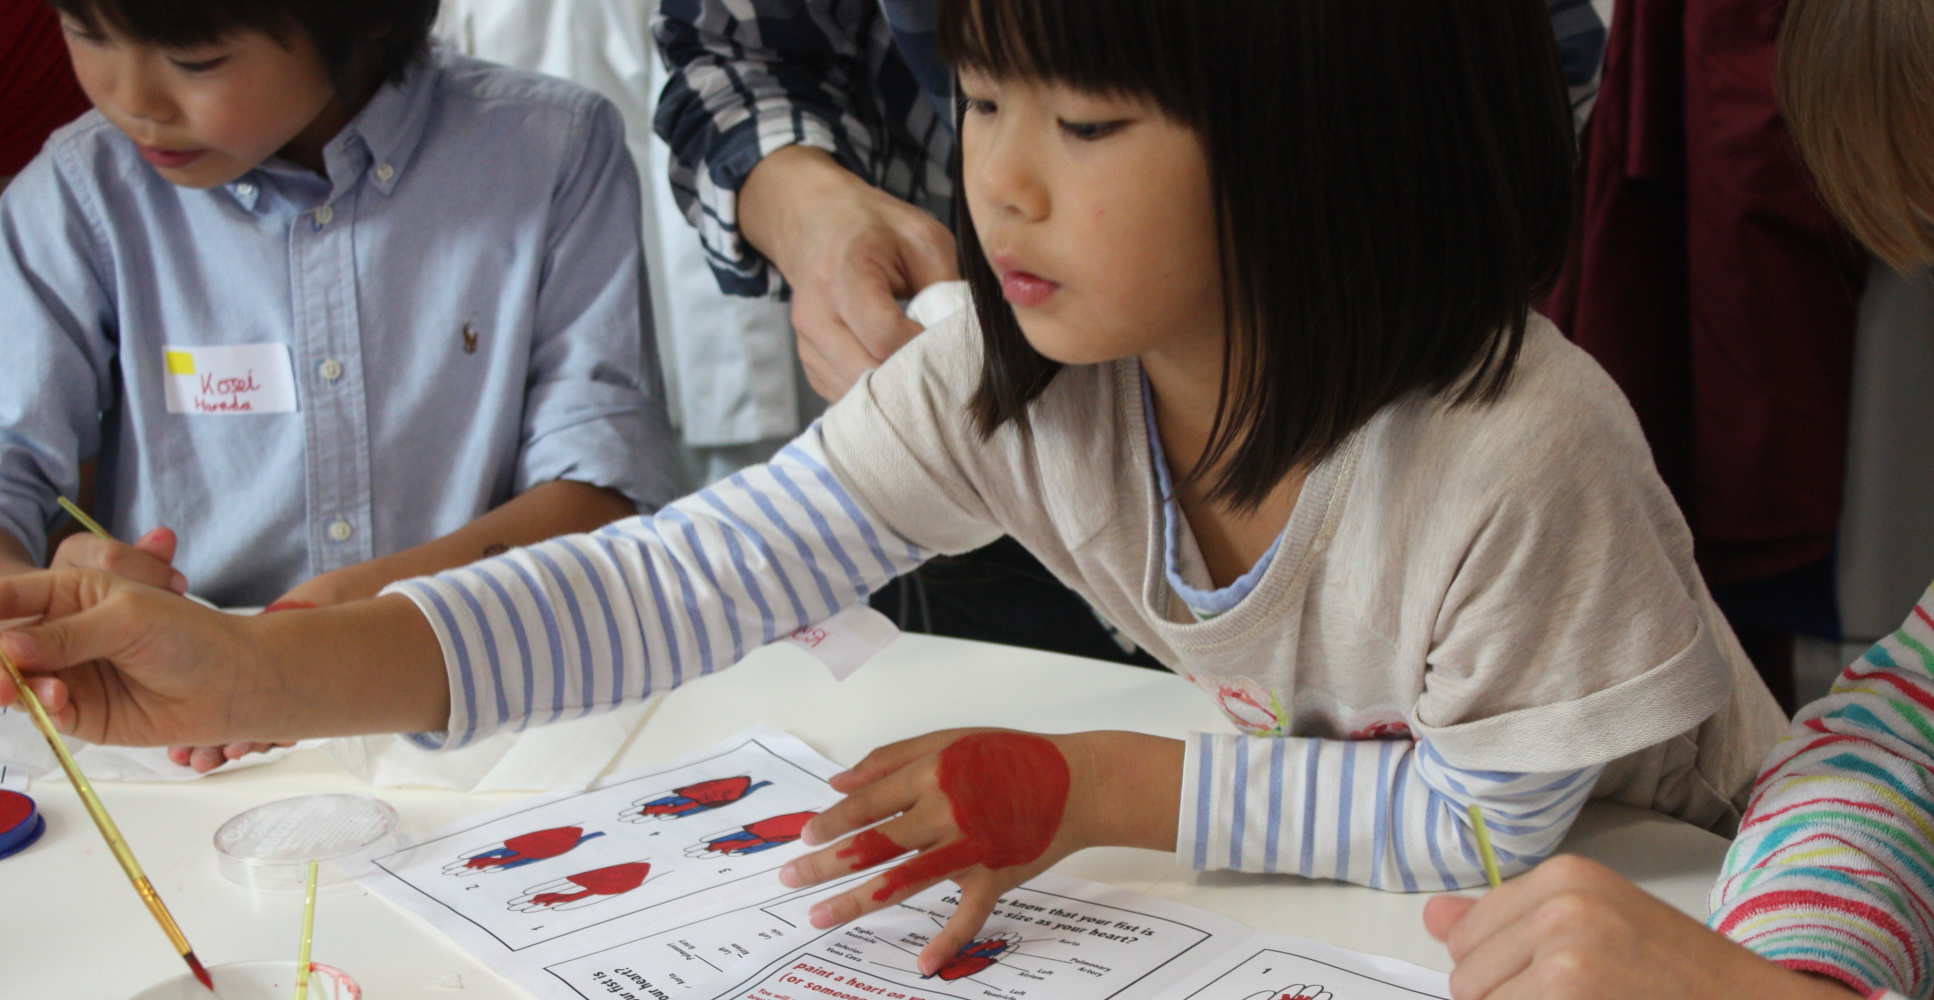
(20, 823)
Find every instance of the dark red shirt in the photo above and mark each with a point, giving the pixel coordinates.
(38, 92)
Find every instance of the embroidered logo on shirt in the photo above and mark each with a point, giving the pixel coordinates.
(469, 339)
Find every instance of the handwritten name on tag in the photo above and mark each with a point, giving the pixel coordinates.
(235, 379)
(847, 640)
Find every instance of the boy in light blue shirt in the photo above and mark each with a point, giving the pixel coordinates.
(337, 309)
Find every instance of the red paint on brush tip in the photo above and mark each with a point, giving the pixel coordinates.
(201, 974)
(1008, 791)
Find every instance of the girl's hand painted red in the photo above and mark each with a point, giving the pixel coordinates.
(987, 809)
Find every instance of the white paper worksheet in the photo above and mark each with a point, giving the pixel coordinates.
(664, 885)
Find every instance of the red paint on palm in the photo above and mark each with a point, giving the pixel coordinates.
(599, 882)
(1008, 791)
(289, 606)
(534, 846)
(868, 849)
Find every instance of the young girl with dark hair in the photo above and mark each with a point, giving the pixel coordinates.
(1251, 368)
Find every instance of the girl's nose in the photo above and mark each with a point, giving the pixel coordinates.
(1009, 180)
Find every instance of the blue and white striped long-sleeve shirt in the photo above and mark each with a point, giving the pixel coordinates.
(582, 623)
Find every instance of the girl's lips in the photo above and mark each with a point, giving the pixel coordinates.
(1025, 289)
(170, 158)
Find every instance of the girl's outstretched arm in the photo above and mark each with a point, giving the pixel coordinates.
(557, 630)
(587, 622)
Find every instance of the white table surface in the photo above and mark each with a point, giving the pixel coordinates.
(71, 928)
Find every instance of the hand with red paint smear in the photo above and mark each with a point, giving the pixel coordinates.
(1573, 929)
(988, 810)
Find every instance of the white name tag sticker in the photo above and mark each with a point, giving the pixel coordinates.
(847, 640)
(234, 380)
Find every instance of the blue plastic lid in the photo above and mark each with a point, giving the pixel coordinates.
(20, 823)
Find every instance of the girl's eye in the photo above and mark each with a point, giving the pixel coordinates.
(1090, 131)
(198, 65)
(978, 106)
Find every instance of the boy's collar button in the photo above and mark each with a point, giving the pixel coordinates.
(325, 215)
(384, 172)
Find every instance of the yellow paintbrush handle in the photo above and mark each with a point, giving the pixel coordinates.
(74, 511)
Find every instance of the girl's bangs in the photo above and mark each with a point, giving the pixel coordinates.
(1098, 46)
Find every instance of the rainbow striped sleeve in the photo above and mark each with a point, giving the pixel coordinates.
(1833, 871)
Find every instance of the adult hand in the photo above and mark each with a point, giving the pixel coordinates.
(335, 587)
(1572, 929)
(849, 251)
(117, 661)
(988, 809)
(149, 560)
(120, 662)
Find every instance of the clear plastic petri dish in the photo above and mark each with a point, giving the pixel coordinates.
(270, 846)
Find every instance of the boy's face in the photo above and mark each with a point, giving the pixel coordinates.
(205, 116)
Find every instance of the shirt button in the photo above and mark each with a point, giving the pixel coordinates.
(339, 530)
(245, 190)
(325, 215)
(384, 172)
(330, 370)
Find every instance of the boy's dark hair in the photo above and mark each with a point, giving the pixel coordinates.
(395, 33)
(1393, 183)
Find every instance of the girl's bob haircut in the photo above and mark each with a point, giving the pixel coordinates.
(395, 34)
(1393, 184)
(1857, 85)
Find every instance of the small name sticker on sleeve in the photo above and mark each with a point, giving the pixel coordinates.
(234, 380)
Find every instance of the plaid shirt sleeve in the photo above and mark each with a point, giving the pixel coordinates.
(1581, 51)
(749, 77)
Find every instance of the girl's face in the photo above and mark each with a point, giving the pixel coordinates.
(205, 116)
(1096, 213)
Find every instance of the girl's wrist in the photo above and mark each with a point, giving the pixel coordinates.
(365, 667)
(1128, 787)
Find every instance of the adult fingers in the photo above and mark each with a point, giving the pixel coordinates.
(864, 298)
(834, 359)
(927, 253)
(976, 905)
(77, 639)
